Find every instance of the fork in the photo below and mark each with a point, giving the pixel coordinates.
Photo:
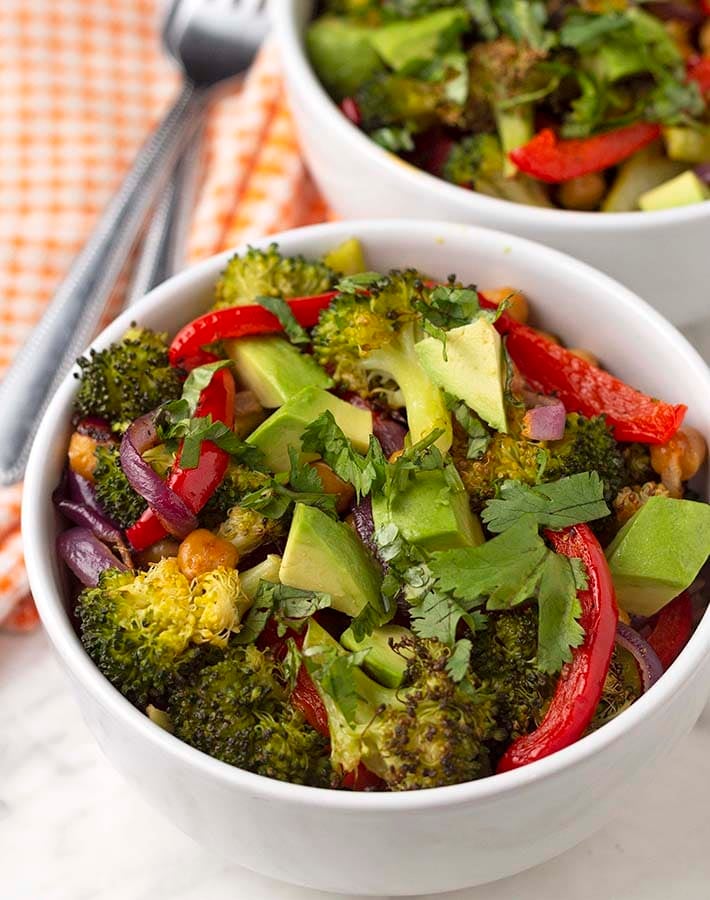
(212, 40)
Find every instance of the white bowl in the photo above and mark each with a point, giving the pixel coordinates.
(660, 255)
(423, 841)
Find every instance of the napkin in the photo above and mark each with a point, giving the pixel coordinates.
(81, 84)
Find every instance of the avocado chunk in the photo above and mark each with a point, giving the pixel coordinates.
(430, 513)
(515, 128)
(688, 145)
(342, 55)
(641, 172)
(683, 190)
(284, 428)
(474, 370)
(383, 662)
(658, 553)
(273, 369)
(347, 258)
(401, 44)
(325, 555)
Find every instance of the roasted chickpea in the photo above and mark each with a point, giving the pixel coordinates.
(679, 459)
(704, 38)
(680, 35)
(202, 551)
(584, 192)
(82, 458)
(517, 308)
(333, 484)
(160, 550)
(586, 355)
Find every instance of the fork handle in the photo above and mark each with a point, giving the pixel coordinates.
(73, 314)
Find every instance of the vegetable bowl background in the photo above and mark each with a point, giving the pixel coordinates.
(422, 841)
(661, 255)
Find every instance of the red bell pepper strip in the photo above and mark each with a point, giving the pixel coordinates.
(241, 321)
(672, 629)
(550, 159)
(582, 680)
(587, 389)
(699, 71)
(194, 486)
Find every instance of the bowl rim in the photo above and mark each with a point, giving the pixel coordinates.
(81, 668)
(297, 64)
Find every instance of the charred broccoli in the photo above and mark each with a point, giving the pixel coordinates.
(127, 379)
(121, 503)
(367, 341)
(428, 733)
(238, 711)
(145, 630)
(588, 446)
(237, 482)
(267, 273)
(621, 688)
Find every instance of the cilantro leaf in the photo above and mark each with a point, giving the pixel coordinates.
(274, 499)
(438, 616)
(335, 674)
(194, 431)
(557, 504)
(198, 379)
(478, 435)
(457, 666)
(283, 312)
(558, 612)
(288, 605)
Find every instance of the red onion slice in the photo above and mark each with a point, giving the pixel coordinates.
(545, 419)
(649, 664)
(86, 556)
(89, 518)
(170, 509)
(388, 431)
(703, 172)
(365, 526)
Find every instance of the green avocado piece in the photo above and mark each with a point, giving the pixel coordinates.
(683, 190)
(325, 555)
(400, 44)
(641, 172)
(347, 258)
(386, 665)
(342, 55)
(430, 513)
(284, 428)
(688, 145)
(515, 128)
(474, 370)
(658, 553)
(274, 369)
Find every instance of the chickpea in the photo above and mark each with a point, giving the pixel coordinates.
(82, 459)
(704, 38)
(333, 484)
(395, 455)
(584, 192)
(679, 459)
(586, 355)
(202, 551)
(517, 308)
(160, 550)
(680, 35)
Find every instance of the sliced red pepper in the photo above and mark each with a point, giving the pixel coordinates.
(241, 321)
(194, 486)
(672, 629)
(553, 160)
(699, 71)
(351, 110)
(589, 390)
(306, 698)
(582, 680)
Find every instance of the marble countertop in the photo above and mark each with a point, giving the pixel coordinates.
(72, 829)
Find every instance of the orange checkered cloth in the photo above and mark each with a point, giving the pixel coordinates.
(82, 84)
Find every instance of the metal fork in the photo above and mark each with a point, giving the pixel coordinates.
(213, 40)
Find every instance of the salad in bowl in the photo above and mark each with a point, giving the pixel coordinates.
(373, 531)
(581, 106)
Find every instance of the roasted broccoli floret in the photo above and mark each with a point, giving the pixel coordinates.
(367, 342)
(503, 659)
(588, 446)
(248, 529)
(238, 481)
(429, 733)
(122, 504)
(474, 160)
(391, 99)
(269, 274)
(238, 711)
(621, 688)
(145, 630)
(127, 379)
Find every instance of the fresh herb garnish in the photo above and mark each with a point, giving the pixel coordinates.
(289, 606)
(302, 484)
(335, 673)
(283, 312)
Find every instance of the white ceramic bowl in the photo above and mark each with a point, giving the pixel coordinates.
(425, 841)
(660, 255)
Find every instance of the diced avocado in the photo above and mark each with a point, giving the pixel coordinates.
(403, 43)
(515, 128)
(325, 555)
(385, 664)
(283, 428)
(342, 55)
(683, 190)
(474, 370)
(643, 171)
(688, 145)
(347, 258)
(274, 369)
(430, 513)
(658, 553)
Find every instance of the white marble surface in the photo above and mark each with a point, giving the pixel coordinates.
(71, 829)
